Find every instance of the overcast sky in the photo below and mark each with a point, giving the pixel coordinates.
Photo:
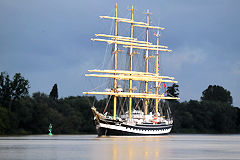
(48, 41)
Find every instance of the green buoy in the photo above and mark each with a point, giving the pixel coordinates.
(50, 130)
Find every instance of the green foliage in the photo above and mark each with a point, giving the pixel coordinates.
(5, 89)
(217, 93)
(4, 121)
(213, 114)
(70, 115)
(19, 86)
(173, 90)
(205, 117)
(10, 90)
(54, 92)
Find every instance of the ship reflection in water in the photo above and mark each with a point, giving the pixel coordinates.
(139, 148)
(91, 147)
(170, 147)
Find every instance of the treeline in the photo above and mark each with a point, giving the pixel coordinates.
(205, 117)
(32, 115)
(24, 114)
(214, 113)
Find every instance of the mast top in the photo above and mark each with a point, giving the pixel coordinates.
(157, 34)
(132, 9)
(147, 13)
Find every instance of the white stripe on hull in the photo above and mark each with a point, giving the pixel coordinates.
(136, 131)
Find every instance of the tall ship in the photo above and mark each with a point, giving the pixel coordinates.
(137, 91)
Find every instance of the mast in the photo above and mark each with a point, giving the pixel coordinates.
(157, 65)
(131, 66)
(115, 68)
(130, 75)
(146, 58)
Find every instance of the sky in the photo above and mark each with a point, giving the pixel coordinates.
(48, 42)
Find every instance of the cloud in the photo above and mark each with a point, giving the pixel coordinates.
(236, 68)
(184, 56)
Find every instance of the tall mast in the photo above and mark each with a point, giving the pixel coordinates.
(146, 57)
(130, 42)
(131, 66)
(115, 68)
(157, 65)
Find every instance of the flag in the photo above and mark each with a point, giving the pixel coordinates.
(165, 87)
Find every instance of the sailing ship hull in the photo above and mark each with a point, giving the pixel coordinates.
(106, 129)
(128, 130)
(110, 127)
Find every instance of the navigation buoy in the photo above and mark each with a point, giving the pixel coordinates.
(50, 130)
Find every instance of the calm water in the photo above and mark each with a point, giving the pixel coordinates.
(90, 147)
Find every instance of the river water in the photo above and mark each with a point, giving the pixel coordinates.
(91, 147)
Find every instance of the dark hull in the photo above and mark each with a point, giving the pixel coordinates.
(112, 132)
(110, 127)
(104, 129)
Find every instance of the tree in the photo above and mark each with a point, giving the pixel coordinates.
(4, 121)
(12, 90)
(173, 90)
(217, 93)
(54, 92)
(5, 88)
(19, 86)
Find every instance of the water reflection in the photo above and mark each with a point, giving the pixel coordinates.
(90, 147)
(170, 147)
(136, 147)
